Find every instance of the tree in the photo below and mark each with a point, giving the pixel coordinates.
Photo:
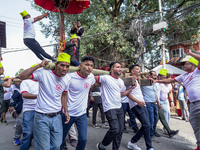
(107, 27)
(18, 72)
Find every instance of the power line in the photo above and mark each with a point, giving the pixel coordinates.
(24, 49)
(10, 18)
(22, 27)
(21, 24)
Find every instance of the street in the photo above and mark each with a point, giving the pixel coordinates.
(185, 140)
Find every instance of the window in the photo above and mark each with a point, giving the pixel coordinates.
(177, 52)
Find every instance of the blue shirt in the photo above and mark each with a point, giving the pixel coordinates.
(181, 93)
(149, 93)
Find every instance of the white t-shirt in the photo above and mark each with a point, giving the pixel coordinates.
(136, 93)
(51, 87)
(111, 89)
(32, 87)
(13, 88)
(164, 91)
(191, 82)
(77, 94)
(125, 99)
(158, 90)
(8, 93)
(29, 31)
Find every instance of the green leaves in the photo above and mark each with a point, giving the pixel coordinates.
(18, 72)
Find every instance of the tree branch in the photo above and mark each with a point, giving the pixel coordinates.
(108, 11)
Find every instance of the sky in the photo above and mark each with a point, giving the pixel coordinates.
(10, 13)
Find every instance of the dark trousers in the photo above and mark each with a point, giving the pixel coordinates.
(161, 116)
(36, 48)
(115, 119)
(142, 114)
(77, 49)
(90, 105)
(126, 108)
(95, 108)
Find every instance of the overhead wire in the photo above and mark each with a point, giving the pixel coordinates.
(4, 51)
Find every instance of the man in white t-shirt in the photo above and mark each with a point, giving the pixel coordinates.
(29, 35)
(53, 87)
(77, 99)
(191, 81)
(126, 108)
(165, 91)
(138, 106)
(112, 89)
(29, 90)
(5, 104)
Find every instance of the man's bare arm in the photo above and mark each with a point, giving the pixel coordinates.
(140, 103)
(29, 95)
(126, 92)
(165, 81)
(26, 74)
(40, 17)
(8, 82)
(64, 105)
(196, 56)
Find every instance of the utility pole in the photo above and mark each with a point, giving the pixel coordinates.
(141, 47)
(162, 37)
(140, 37)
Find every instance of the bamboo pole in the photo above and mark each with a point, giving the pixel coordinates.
(51, 66)
(127, 80)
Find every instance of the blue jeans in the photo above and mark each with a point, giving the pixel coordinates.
(81, 124)
(142, 114)
(28, 120)
(166, 109)
(153, 116)
(47, 132)
(126, 108)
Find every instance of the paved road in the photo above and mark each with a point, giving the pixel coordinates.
(185, 140)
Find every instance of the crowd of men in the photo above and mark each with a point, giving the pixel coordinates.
(54, 100)
(49, 104)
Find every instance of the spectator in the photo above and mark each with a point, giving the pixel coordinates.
(71, 49)
(6, 103)
(17, 105)
(79, 31)
(182, 97)
(96, 95)
(29, 91)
